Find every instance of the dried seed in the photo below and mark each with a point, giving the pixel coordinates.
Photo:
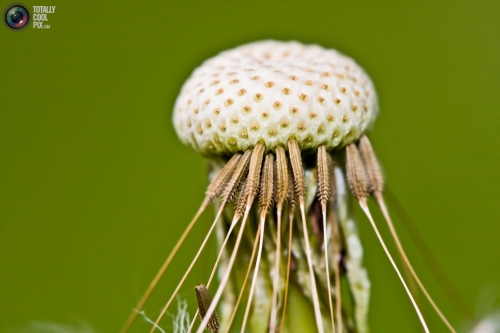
(267, 185)
(281, 176)
(372, 167)
(217, 186)
(204, 300)
(356, 176)
(239, 174)
(323, 177)
(298, 171)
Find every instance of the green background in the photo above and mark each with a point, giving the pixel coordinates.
(95, 187)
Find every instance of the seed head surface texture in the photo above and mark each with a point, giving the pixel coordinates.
(270, 91)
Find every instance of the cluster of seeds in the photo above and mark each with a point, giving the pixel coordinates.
(262, 105)
(271, 91)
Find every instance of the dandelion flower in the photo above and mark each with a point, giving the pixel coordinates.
(284, 126)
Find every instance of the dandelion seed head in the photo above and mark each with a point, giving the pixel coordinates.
(270, 78)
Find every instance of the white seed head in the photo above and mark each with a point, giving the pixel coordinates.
(270, 91)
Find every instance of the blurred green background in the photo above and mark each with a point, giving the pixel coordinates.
(95, 187)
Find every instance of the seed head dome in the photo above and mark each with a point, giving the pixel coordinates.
(271, 91)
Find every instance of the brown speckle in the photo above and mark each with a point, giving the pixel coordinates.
(301, 127)
(234, 81)
(258, 97)
(313, 115)
(232, 142)
(207, 101)
(345, 119)
(234, 120)
(356, 92)
(222, 127)
(309, 82)
(342, 89)
(272, 131)
(285, 124)
(254, 77)
(228, 102)
(269, 84)
(325, 86)
(208, 123)
(246, 108)
(294, 110)
(337, 101)
(219, 91)
(216, 110)
(199, 130)
(201, 90)
(330, 117)
(196, 110)
(340, 76)
(213, 83)
(254, 127)
(321, 129)
(265, 114)
(303, 97)
(286, 91)
(365, 107)
(244, 135)
(325, 74)
(241, 92)
(354, 107)
(277, 104)
(293, 78)
(321, 100)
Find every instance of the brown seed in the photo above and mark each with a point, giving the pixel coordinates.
(204, 300)
(238, 175)
(372, 167)
(252, 187)
(298, 171)
(323, 177)
(356, 175)
(282, 181)
(267, 185)
(217, 185)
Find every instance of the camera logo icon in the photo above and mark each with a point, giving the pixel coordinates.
(16, 16)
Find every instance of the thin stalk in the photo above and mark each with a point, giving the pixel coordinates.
(364, 206)
(394, 234)
(164, 310)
